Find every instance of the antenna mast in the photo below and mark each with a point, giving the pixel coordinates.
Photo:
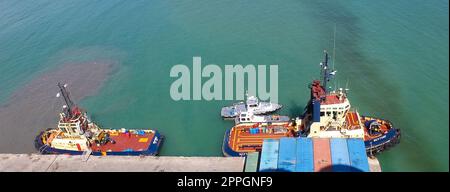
(334, 46)
(325, 73)
(67, 100)
(346, 86)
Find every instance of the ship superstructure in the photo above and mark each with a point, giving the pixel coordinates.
(328, 113)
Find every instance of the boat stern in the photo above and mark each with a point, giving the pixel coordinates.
(278, 106)
(155, 145)
(38, 143)
(226, 149)
(382, 143)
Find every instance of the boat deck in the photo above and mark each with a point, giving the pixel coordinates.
(384, 126)
(276, 118)
(352, 120)
(265, 119)
(243, 141)
(332, 99)
(126, 142)
(234, 110)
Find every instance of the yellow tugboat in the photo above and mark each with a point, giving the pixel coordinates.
(76, 134)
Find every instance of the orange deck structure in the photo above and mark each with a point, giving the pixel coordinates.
(124, 141)
(352, 120)
(384, 126)
(241, 140)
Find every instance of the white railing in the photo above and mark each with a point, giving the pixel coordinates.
(86, 154)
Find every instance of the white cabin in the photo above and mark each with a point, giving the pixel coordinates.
(336, 119)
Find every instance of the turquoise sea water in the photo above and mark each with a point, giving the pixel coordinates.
(394, 55)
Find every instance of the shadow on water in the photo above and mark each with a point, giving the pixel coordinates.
(295, 110)
(363, 71)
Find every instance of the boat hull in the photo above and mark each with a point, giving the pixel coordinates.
(152, 150)
(382, 143)
(226, 149)
(373, 147)
(233, 111)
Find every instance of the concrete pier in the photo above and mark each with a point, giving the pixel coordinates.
(62, 163)
(374, 164)
(75, 163)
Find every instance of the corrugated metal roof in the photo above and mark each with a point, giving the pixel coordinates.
(313, 154)
(269, 155)
(286, 156)
(322, 155)
(357, 155)
(339, 155)
(305, 161)
(251, 162)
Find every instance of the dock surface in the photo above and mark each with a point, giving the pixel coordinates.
(75, 163)
(374, 165)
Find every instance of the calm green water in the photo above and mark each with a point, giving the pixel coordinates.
(394, 54)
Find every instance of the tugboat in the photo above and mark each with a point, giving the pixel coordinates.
(76, 134)
(252, 104)
(328, 115)
(250, 118)
(244, 138)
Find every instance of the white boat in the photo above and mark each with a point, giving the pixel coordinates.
(250, 118)
(252, 104)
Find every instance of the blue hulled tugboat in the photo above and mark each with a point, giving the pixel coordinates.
(329, 115)
(76, 134)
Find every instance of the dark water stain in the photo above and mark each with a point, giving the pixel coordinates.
(34, 107)
(362, 71)
(295, 110)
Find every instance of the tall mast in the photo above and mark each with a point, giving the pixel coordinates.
(325, 74)
(69, 103)
(334, 46)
